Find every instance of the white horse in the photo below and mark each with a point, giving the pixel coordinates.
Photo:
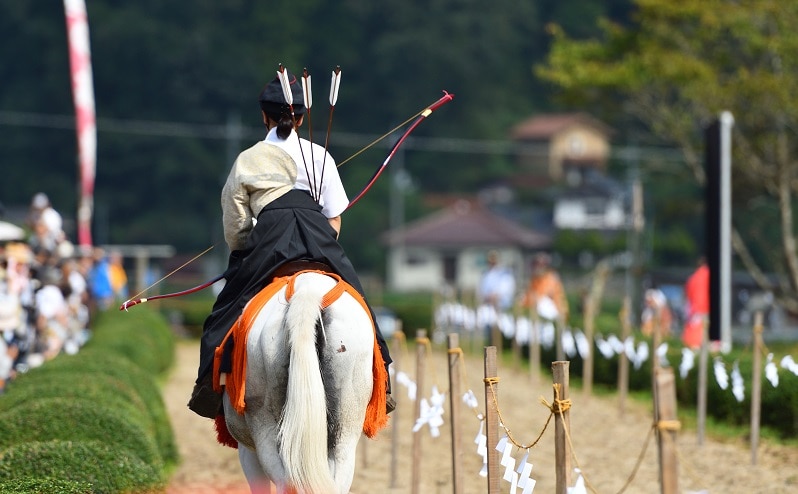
(308, 383)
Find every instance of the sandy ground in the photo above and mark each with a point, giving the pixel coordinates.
(606, 443)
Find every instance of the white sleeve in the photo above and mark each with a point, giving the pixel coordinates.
(333, 195)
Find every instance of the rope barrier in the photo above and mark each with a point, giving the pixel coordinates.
(557, 406)
(490, 381)
(463, 375)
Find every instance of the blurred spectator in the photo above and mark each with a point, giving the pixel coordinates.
(546, 286)
(696, 293)
(46, 223)
(656, 314)
(495, 295)
(52, 313)
(99, 280)
(118, 275)
(497, 286)
(43, 299)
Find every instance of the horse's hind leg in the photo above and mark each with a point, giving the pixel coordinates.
(258, 481)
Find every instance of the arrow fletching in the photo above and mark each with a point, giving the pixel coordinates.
(282, 74)
(335, 83)
(306, 90)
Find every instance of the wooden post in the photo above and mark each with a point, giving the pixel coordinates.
(587, 362)
(623, 361)
(455, 392)
(516, 347)
(421, 353)
(702, 383)
(492, 420)
(398, 339)
(756, 386)
(558, 329)
(667, 428)
(562, 422)
(496, 336)
(534, 347)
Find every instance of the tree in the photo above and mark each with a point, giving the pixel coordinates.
(676, 67)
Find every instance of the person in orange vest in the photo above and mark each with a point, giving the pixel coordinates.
(656, 314)
(116, 270)
(545, 282)
(696, 294)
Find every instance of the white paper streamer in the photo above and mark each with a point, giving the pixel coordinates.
(486, 316)
(470, 400)
(771, 371)
(738, 386)
(789, 364)
(523, 330)
(720, 373)
(547, 309)
(579, 485)
(605, 348)
(482, 449)
(546, 335)
(431, 413)
(524, 471)
(403, 379)
(582, 345)
(688, 362)
(662, 355)
(568, 343)
(505, 447)
(506, 325)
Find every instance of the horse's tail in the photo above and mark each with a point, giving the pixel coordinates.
(303, 428)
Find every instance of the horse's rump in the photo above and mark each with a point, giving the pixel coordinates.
(305, 382)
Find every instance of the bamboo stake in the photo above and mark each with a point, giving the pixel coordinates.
(756, 386)
(455, 392)
(562, 421)
(667, 427)
(534, 347)
(398, 338)
(623, 361)
(421, 352)
(492, 420)
(702, 383)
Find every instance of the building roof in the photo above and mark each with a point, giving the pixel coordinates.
(543, 127)
(464, 225)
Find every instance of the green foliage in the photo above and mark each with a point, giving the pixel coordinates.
(96, 360)
(779, 409)
(45, 485)
(675, 69)
(99, 403)
(143, 336)
(414, 310)
(106, 469)
(71, 419)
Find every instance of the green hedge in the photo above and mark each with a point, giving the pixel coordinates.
(779, 410)
(95, 420)
(105, 468)
(94, 361)
(71, 419)
(45, 485)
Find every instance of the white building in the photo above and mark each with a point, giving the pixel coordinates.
(450, 248)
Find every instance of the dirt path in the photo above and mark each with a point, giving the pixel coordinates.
(606, 446)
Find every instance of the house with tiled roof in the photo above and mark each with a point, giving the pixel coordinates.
(450, 247)
(560, 147)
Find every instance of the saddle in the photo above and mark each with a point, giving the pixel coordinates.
(230, 357)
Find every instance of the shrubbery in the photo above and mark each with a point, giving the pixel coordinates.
(95, 421)
(779, 410)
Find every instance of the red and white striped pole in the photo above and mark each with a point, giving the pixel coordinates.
(83, 97)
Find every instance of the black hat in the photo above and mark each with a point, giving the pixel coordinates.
(272, 101)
